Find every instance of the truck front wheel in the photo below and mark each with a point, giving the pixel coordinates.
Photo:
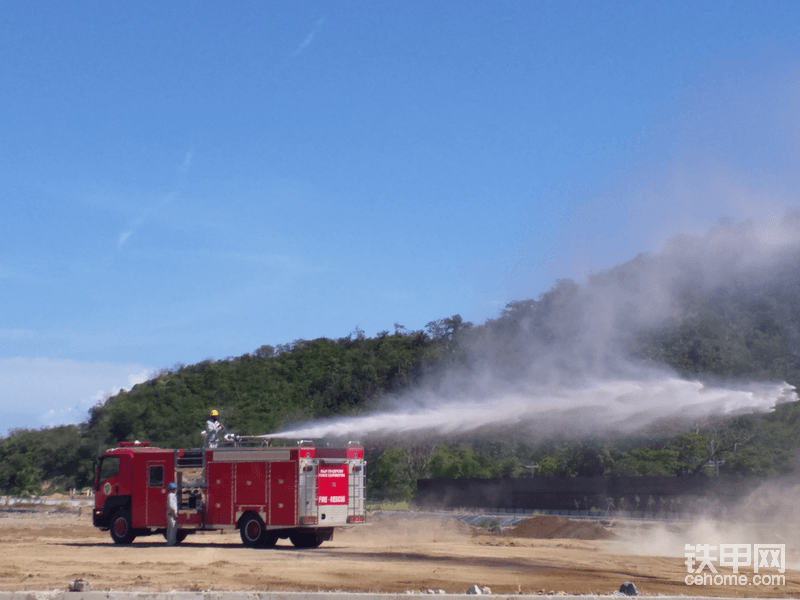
(120, 529)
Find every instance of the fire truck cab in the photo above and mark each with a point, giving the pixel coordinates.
(268, 493)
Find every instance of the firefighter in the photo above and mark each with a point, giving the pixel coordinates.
(172, 515)
(213, 430)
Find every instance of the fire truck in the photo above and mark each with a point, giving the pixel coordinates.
(268, 493)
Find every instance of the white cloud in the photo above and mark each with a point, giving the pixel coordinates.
(123, 237)
(309, 39)
(39, 392)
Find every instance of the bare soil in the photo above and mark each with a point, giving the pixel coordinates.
(47, 550)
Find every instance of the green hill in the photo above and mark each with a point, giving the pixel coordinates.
(715, 323)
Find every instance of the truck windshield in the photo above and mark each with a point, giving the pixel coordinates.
(109, 467)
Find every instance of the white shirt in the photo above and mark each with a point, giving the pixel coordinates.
(172, 504)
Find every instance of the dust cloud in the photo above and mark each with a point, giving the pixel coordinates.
(768, 515)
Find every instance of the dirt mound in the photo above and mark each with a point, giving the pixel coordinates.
(546, 527)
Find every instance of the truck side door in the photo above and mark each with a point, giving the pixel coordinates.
(220, 493)
(156, 493)
(283, 493)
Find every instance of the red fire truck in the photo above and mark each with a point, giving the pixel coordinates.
(267, 493)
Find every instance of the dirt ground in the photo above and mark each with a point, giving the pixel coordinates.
(47, 550)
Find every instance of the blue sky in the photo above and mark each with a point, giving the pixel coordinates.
(191, 180)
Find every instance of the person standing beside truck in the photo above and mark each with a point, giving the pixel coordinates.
(213, 430)
(172, 515)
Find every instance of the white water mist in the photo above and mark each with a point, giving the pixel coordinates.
(612, 407)
(562, 366)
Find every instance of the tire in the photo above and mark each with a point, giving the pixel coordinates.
(179, 536)
(305, 539)
(252, 530)
(268, 540)
(121, 531)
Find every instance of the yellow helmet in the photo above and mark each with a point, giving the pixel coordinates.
(215, 413)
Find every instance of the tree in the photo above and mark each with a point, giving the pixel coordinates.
(20, 476)
(647, 461)
(550, 466)
(692, 452)
(727, 440)
(392, 477)
(265, 351)
(455, 463)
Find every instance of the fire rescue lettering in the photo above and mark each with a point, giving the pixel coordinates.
(331, 485)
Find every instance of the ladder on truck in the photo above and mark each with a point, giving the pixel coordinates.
(191, 471)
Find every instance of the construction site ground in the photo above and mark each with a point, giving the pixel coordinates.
(47, 547)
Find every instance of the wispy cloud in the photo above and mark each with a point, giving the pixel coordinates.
(187, 163)
(182, 172)
(309, 39)
(123, 237)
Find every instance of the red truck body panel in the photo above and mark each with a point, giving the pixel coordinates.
(283, 493)
(289, 491)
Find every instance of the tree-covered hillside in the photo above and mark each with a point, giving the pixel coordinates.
(258, 392)
(717, 323)
(255, 393)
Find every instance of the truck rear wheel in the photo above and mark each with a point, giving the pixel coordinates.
(252, 530)
(306, 539)
(120, 529)
(180, 535)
